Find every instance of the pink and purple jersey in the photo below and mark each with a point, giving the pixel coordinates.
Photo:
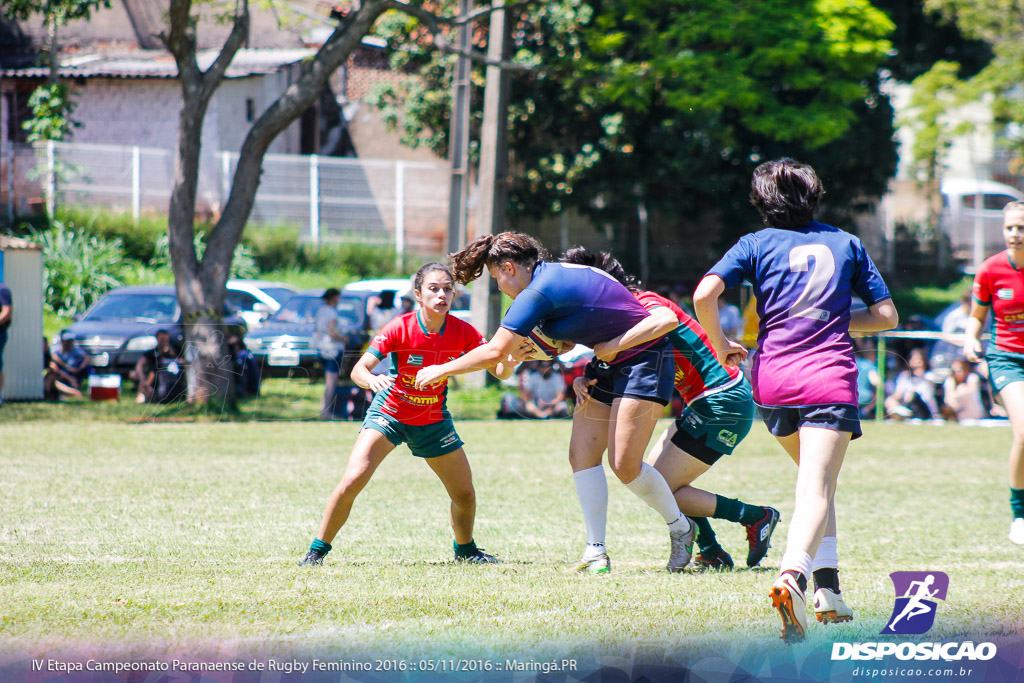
(1000, 284)
(411, 348)
(804, 281)
(698, 372)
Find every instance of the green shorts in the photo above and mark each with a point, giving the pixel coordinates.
(1004, 368)
(425, 441)
(714, 425)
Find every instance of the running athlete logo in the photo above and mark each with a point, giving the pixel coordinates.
(916, 595)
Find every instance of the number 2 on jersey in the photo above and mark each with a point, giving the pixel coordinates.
(821, 275)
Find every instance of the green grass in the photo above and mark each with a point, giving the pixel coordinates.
(153, 539)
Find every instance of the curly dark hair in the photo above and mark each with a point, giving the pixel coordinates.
(786, 193)
(489, 250)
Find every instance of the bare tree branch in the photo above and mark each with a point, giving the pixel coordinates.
(433, 23)
(239, 34)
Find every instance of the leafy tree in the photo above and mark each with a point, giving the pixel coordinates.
(201, 280)
(671, 103)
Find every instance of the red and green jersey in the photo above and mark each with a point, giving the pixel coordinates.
(698, 372)
(411, 347)
(1000, 284)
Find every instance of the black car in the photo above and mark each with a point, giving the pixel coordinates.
(284, 343)
(122, 326)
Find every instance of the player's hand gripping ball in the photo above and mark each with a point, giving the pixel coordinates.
(544, 347)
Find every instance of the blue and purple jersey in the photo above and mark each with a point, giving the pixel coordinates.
(804, 281)
(575, 303)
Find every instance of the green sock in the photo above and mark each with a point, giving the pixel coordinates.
(706, 539)
(319, 546)
(1017, 502)
(737, 511)
(464, 550)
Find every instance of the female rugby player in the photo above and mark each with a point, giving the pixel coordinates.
(998, 286)
(583, 305)
(404, 411)
(804, 375)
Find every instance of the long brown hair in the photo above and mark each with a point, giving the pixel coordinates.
(489, 250)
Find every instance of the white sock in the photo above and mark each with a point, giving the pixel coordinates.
(592, 490)
(593, 550)
(798, 562)
(827, 556)
(652, 489)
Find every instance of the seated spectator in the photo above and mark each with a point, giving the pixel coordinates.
(962, 393)
(248, 373)
(159, 373)
(542, 393)
(67, 368)
(914, 395)
(868, 378)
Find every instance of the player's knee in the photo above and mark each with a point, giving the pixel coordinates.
(464, 497)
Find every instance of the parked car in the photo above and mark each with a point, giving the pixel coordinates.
(284, 343)
(257, 300)
(393, 289)
(122, 325)
(960, 211)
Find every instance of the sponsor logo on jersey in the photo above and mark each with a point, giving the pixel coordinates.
(729, 439)
(1005, 294)
(449, 438)
(415, 360)
(1014, 317)
(382, 421)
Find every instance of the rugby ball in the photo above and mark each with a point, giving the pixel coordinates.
(544, 347)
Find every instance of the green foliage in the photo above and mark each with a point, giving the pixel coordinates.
(139, 238)
(79, 268)
(274, 248)
(51, 107)
(61, 11)
(243, 264)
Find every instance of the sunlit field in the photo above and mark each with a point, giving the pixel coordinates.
(152, 539)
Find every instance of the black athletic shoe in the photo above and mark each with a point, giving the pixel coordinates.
(759, 536)
(478, 556)
(314, 558)
(720, 560)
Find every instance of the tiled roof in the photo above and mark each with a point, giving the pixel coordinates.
(160, 64)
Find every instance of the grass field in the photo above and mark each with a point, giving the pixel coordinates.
(154, 539)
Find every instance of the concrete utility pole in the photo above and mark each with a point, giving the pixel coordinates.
(458, 140)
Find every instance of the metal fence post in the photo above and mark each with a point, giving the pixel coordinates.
(314, 199)
(136, 183)
(400, 215)
(51, 178)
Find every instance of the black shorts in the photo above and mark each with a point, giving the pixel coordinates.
(786, 420)
(648, 375)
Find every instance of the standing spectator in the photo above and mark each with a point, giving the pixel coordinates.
(542, 393)
(914, 396)
(330, 343)
(730, 319)
(67, 369)
(6, 311)
(961, 395)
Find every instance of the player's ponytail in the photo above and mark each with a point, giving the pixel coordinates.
(487, 250)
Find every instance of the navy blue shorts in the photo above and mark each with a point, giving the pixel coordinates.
(648, 375)
(786, 420)
(3, 343)
(332, 364)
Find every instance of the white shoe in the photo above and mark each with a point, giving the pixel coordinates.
(830, 608)
(594, 564)
(789, 600)
(682, 547)
(1017, 531)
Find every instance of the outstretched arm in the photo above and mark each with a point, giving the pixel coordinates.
(660, 322)
(485, 357)
(972, 331)
(878, 317)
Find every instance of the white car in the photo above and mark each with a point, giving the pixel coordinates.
(959, 214)
(391, 290)
(257, 300)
